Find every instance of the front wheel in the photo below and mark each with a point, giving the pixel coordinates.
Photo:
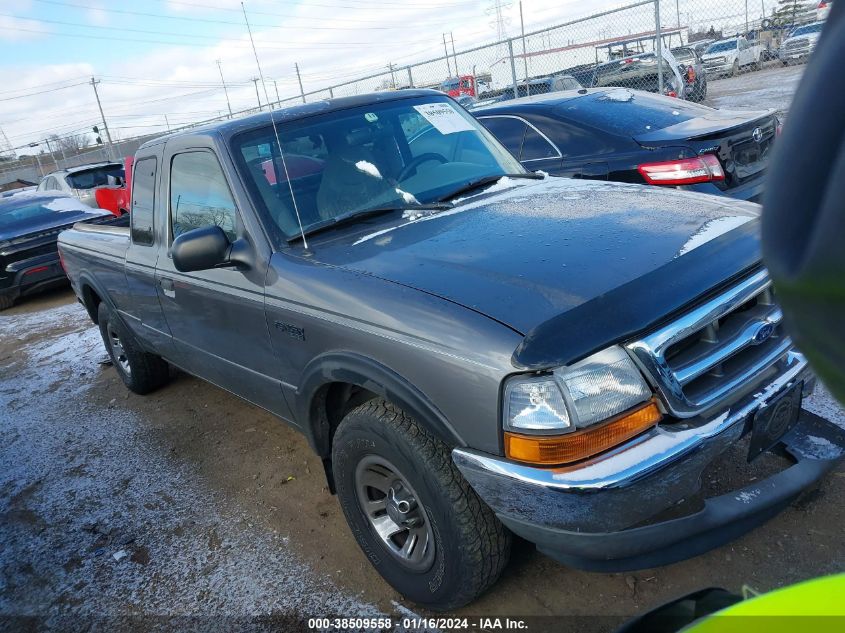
(413, 514)
(6, 302)
(141, 371)
(735, 68)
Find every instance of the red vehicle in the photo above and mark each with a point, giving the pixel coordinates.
(460, 86)
(116, 199)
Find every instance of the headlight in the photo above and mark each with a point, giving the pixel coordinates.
(590, 391)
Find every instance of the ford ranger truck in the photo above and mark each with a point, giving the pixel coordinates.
(473, 350)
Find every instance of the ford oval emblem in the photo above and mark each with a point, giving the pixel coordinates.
(757, 134)
(763, 333)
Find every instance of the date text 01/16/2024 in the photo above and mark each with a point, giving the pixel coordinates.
(418, 624)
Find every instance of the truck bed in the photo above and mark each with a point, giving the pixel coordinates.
(110, 242)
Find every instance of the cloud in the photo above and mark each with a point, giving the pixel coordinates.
(17, 30)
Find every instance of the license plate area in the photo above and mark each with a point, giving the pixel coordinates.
(774, 420)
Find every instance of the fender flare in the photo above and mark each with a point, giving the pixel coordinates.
(87, 279)
(362, 371)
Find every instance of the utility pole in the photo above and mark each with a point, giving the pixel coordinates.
(392, 76)
(94, 83)
(37, 158)
(746, 18)
(225, 90)
(524, 51)
(678, 12)
(255, 81)
(276, 86)
(52, 156)
(446, 50)
(299, 79)
(454, 54)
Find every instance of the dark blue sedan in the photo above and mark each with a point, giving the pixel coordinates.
(632, 136)
(30, 223)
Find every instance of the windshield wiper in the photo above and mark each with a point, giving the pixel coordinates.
(488, 180)
(354, 216)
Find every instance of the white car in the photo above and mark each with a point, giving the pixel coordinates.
(80, 182)
(800, 44)
(729, 57)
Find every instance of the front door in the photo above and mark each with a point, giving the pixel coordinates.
(216, 316)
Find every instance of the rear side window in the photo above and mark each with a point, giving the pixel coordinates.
(535, 147)
(143, 201)
(199, 195)
(508, 131)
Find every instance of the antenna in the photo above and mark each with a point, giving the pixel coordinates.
(275, 131)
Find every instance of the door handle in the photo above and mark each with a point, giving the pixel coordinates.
(167, 287)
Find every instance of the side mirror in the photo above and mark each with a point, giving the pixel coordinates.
(200, 249)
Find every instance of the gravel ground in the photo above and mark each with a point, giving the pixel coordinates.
(770, 88)
(191, 504)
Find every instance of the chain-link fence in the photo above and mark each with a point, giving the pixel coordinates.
(674, 47)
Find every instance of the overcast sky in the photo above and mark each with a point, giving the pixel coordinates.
(157, 58)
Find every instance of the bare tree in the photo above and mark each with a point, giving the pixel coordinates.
(70, 144)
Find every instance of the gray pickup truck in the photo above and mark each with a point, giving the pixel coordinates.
(472, 349)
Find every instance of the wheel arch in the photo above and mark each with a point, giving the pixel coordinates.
(92, 294)
(337, 382)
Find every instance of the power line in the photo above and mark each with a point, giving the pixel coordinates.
(213, 21)
(41, 92)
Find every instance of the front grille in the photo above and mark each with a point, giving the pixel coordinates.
(726, 344)
(796, 44)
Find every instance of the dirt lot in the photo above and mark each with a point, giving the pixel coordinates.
(771, 88)
(189, 502)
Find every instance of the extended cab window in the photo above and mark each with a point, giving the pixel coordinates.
(199, 195)
(143, 201)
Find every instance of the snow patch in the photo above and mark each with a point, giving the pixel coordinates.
(711, 230)
(408, 198)
(622, 95)
(747, 496)
(822, 448)
(368, 168)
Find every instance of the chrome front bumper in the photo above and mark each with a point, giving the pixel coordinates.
(583, 515)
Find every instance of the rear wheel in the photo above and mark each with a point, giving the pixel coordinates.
(413, 514)
(141, 371)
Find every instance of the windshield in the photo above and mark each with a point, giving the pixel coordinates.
(810, 28)
(683, 54)
(719, 47)
(396, 153)
(96, 177)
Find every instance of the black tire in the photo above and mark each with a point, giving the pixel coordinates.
(735, 68)
(6, 302)
(471, 546)
(141, 371)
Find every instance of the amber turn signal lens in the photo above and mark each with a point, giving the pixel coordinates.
(572, 447)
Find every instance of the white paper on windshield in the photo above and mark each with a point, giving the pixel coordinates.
(444, 117)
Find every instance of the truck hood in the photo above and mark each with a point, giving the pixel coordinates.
(534, 251)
